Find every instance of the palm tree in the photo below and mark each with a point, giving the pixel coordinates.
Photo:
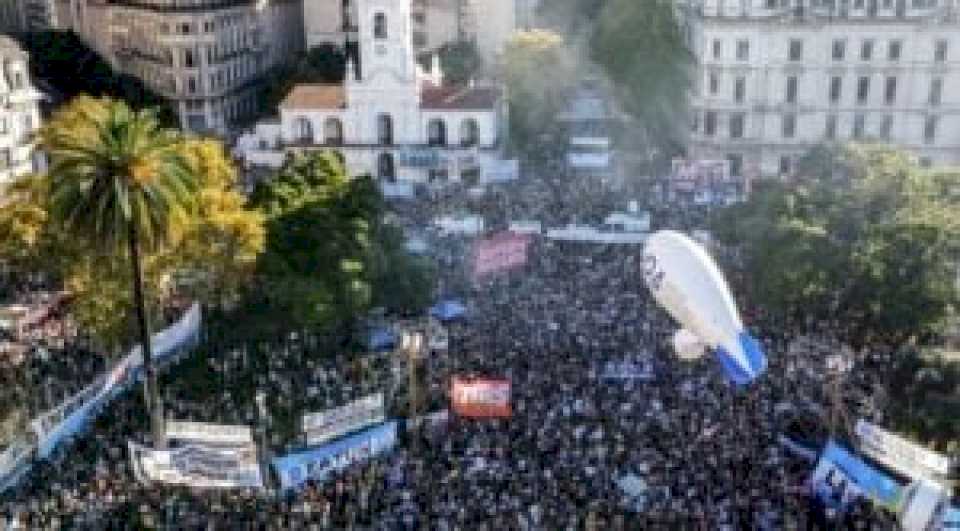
(118, 179)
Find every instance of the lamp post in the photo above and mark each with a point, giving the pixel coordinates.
(412, 345)
(261, 429)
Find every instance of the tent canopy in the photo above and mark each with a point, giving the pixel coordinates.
(381, 339)
(448, 310)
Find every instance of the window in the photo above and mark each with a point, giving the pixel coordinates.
(940, 51)
(791, 95)
(936, 90)
(191, 85)
(930, 130)
(858, 126)
(436, 132)
(188, 58)
(333, 132)
(789, 125)
(796, 50)
(839, 49)
(886, 127)
(18, 80)
(866, 50)
(4, 158)
(380, 26)
(736, 125)
(385, 167)
(893, 51)
(739, 90)
(890, 90)
(714, 83)
(831, 129)
(836, 87)
(784, 165)
(27, 123)
(185, 29)
(743, 50)
(385, 129)
(469, 132)
(858, 4)
(716, 48)
(303, 130)
(863, 89)
(771, 4)
(709, 123)
(736, 164)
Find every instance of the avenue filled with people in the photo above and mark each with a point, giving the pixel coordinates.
(597, 397)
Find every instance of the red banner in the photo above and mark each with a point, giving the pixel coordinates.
(500, 252)
(481, 398)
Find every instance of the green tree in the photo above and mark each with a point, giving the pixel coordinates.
(460, 61)
(329, 257)
(641, 48)
(539, 72)
(873, 247)
(120, 182)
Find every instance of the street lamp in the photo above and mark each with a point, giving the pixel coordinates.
(411, 343)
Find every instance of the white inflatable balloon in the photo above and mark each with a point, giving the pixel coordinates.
(687, 283)
(687, 345)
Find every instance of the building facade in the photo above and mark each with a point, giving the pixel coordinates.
(19, 113)
(776, 78)
(208, 57)
(394, 121)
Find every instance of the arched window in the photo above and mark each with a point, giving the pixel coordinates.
(385, 129)
(380, 26)
(385, 168)
(437, 132)
(469, 132)
(302, 129)
(333, 132)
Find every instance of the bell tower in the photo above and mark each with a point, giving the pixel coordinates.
(385, 37)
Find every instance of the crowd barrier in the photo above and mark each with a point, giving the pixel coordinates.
(51, 429)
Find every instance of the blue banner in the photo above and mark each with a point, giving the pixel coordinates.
(317, 464)
(841, 477)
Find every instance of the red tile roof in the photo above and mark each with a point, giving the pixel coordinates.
(459, 98)
(315, 96)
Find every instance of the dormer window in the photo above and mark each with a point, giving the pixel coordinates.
(380, 26)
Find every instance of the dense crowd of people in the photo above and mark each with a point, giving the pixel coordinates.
(707, 454)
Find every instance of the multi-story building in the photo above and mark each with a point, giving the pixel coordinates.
(776, 78)
(18, 16)
(208, 57)
(19, 112)
(391, 120)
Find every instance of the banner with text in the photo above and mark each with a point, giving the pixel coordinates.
(501, 252)
(327, 425)
(198, 466)
(841, 477)
(317, 464)
(900, 454)
(215, 434)
(481, 397)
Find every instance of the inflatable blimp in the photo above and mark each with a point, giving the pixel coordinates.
(687, 283)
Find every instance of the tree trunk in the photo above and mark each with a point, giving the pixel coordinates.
(150, 394)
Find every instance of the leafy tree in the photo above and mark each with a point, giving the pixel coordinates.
(460, 61)
(873, 247)
(328, 256)
(119, 182)
(536, 94)
(641, 48)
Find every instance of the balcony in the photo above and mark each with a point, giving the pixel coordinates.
(181, 6)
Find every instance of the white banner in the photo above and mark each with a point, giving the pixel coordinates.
(317, 464)
(197, 466)
(331, 424)
(201, 432)
(900, 454)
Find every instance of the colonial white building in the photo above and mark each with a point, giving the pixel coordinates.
(388, 118)
(19, 112)
(777, 77)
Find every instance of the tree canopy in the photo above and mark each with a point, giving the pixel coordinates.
(872, 246)
(329, 257)
(210, 252)
(460, 62)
